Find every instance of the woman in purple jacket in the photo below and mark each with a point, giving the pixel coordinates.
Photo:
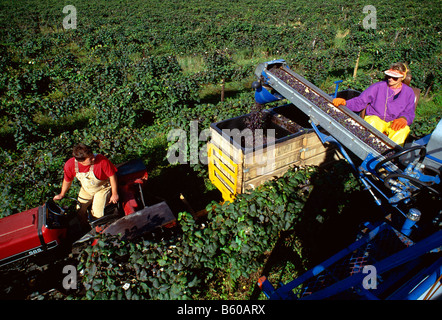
(389, 104)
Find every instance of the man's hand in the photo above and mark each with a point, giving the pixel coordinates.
(64, 189)
(58, 197)
(114, 198)
(114, 187)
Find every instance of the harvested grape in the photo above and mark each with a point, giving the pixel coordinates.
(341, 117)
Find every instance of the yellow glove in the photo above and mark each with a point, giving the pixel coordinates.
(339, 102)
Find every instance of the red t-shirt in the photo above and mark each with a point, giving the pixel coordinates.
(103, 168)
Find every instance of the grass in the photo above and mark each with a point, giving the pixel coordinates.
(252, 56)
(6, 126)
(75, 120)
(191, 64)
(429, 106)
(339, 40)
(211, 93)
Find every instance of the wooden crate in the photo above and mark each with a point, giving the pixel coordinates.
(234, 169)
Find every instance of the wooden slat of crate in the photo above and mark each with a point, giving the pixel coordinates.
(312, 146)
(272, 152)
(283, 153)
(330, 154)
(323, 158)
(258, 180)
(272, 165)
(316, 153)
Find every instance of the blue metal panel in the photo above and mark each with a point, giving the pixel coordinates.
(391, 267)
(403, 256)
(263, 96)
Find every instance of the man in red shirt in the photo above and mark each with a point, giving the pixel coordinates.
(97, 178)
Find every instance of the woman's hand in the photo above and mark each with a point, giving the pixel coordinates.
(339, 102)
(398, 124)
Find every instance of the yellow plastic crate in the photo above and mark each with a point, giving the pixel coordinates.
(223, 172)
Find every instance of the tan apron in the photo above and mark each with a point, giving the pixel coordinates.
(93, 191)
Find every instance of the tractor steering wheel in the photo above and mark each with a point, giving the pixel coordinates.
(54, 207)
(422, 154)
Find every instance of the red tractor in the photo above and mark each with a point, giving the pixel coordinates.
(42, 229)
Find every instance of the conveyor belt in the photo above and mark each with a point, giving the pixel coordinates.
(344, 125)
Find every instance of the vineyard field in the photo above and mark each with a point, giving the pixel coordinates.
(120, 75)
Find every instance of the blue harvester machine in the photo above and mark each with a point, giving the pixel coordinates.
(398, 258)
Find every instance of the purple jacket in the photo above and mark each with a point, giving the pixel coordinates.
(375, 99)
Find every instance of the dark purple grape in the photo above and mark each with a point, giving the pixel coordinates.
(256, 120)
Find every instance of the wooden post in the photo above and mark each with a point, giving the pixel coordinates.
(222, 90)
(355, 71)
